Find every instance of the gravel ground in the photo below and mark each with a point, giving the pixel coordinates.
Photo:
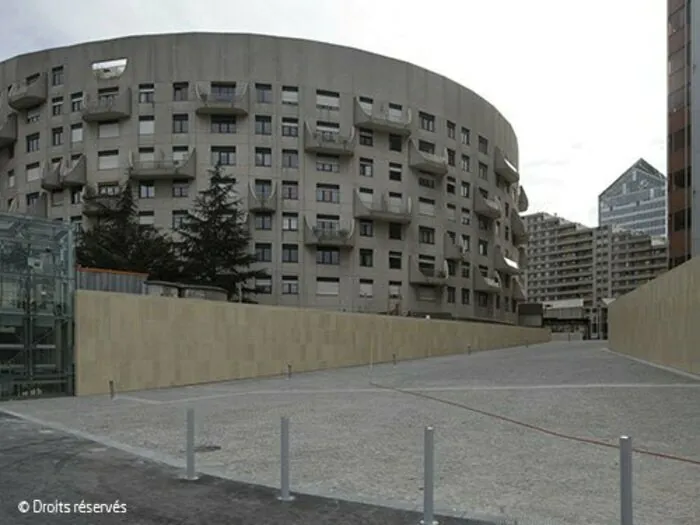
(352, 440)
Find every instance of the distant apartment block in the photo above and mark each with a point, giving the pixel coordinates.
(567, 260)
(636, 201)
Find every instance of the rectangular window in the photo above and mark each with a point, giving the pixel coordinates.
(327, 99)
(180, 91)
(395, 143)
(328, 193)
(290, 190)
(108, 160)
(290, 253)
(290, 285)
(290, 158)
(147, 125)
(290, 127)
(290, 95)
(147, 93)
(426, 206)
(263, 221)
(366, 228)
(263, 157)
(328, 163)
(426, 121)
(394, 289)
(395, 172)
(426, 235)
(179, 217)
(426, 147)
(108, 188)
(329, 256)
(263, 252)
(395, 231)
(223, 155)
(290, 222)
(76, 102)
(180, 153)
(465, 189)
(366, 258)
(366, 167)
(451, 294)
(147, 154)
(465, 296)
(147, 190)
(181, 123)
(108, 130)
(56, 106)
(57, 76)
(483, 171)
(395, 259)
(366, 137)
(451, 157)
(33, 171)
(483, 145)
(263, 125)
(466, 217)
(181, 188)
(451, 129)
(33, 115)
(366, 288)
(33, 142)
(263, 93)
(147, 218)
(263, 285)
(483, 247)
(466, 136)
(223, 124)
(466, 163)
(56, 136)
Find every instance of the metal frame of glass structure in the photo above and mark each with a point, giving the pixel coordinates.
(37, 290)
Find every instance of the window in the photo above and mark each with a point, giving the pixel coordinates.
(223, 155)
(179, 218)
(290, 190)
(366, 288)
(426, 147)
(451, 211)
(395, 143)
(108, 188)
(33, 171)
(33, 115)
(366, 258)
(466, 270)
(147, 154)
(366, 167)
(76, 196)
(263, 285)
(426, 235)
(451, 157)
(483, 171)
(56, 136)
(33, 142)
(263, 125)
(394, 289)
(263, 157)
(465, 136)
(56, 106)
(147, 218)
(426, 206)
(223, 91)
(263, 221)
(366, 228)
(328, 193)
(76, 102)
(327, 286)
(466, 163)
(482, 299)
(426, 121)
(451, 294)
(290, 95)
(395, 231)
(181, 123)
(57, 76)
(290, 222)
(181, 188)
(328, 256)
(147, 190)
(290, 253)
(483, 145)
(263, 93)
(426, 183)
(465, 189)
(263, 252)
(327, 99)
(290, 285)
(328, 163)
(327, 130)
(395, 172)
(147, 125)
(147, 93)
(107, 160)
(395, 259)
(180, 90)
(465, 296)
(366, 137)
(366, 103)
(31, 199)
(450, 185)
(223, 124)
(290, 127)
(180, 153)
(483, 247)
(108, 130)
(290, 158)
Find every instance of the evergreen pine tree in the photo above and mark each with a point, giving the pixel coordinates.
(215, 240)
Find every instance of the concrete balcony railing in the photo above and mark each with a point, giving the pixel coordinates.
(518, 290)
(329, 143)
(426, 276)
(331, 237)
(453, 250)
(164, 169)
(523, 202)
(235, 102)
(24, 95)
(103, 108)
(486, 207)
(261, 201)
(522, 256)
(517, 228)
(505, 265)
(381, 118)
(51, 177)
(74, 175)
(427, 162)
(39, 207)
(486, 284)
(96, 204)
(8, 129)
(383, 208)
(505, 168)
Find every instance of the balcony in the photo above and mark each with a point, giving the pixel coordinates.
(24, 95)
(383, 208)
(262, 201)
(103, 108)
(75, 174)
(234, 102)
(51, 177)
(332, 237)
(39, 207)
(329, 143)
(381, 118)
(523, 202)
(504, 264)
(453, 250)
(517, 227)
(8, 130)
(164, 169)
(427, 162)
(486, 207)
(503, 167)
(522, 256)
(486, 284)
(518, 292)
(426, 276)
(98, 205)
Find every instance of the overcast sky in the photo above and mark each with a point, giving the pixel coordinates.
(582, 82)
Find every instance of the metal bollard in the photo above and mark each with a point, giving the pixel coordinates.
(289, 370)
(428, 477)
(626, 480)
(393, 356)
(112, 392)
(284, 461)
(190, 474)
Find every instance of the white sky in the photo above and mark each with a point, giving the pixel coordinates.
(583, 82)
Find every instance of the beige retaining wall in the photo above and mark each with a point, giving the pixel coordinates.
(143, 342)
(660, 321)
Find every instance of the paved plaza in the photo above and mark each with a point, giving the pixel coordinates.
(519, 433)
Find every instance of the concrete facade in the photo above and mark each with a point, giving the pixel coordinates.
(636, 201)
(660, 322)
(372, 184)
(143, 342)
(567, 260)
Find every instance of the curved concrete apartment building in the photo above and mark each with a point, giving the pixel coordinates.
(371, 184)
